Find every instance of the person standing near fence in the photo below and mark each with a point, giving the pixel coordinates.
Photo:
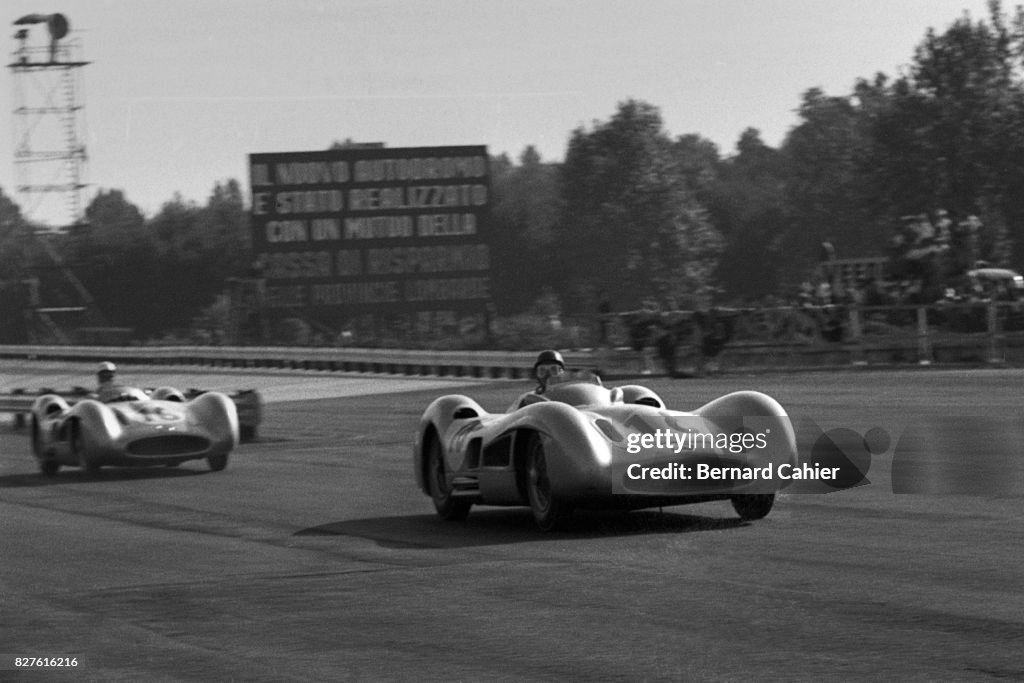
(604, 314)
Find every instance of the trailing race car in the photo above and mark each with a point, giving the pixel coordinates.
(133, 428)
(580, 444)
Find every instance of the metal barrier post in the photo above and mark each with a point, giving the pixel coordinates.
(994, 347)
(924, 342)
(857, 335)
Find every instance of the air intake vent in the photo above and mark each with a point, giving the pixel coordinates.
(169, 444)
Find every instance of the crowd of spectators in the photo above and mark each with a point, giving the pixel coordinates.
(931, 261)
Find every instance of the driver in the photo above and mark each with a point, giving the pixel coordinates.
(108, 388)
(548, 368)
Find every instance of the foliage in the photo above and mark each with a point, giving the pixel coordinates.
(631, 224)
(960, 111)
(13, 272)
(113, 257)
(524, 218)
(746, 201)
(153, 276)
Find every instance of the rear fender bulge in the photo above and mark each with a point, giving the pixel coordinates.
(216, 414)
(641, 395)
(742, 403)
(758, 412)
(168, 394)
(49, 405)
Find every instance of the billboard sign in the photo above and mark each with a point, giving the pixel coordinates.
(375, 238)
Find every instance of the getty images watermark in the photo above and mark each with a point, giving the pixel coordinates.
(736, 444)
(693, 455)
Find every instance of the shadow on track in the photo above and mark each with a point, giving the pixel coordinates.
(108, 474)
(504, 527)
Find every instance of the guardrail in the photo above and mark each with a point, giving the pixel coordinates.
(485, 364)
(917, 339)
(18, 404)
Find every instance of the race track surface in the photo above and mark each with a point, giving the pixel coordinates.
(315, 557)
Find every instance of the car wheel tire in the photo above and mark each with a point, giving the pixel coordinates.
(448, 506)
(37, 438)
(217, 462)
(80, 451)
(246, 433)
(549, 512)
(754, 506)
(49, 466)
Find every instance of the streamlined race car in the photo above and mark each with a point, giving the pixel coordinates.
(581, 444)
(133, 428)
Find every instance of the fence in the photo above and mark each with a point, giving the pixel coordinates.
(791, 337)
(974, 332)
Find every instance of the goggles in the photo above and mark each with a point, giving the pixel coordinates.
(545, 370)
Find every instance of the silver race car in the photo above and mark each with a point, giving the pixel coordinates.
(133, 428)
(577, 443)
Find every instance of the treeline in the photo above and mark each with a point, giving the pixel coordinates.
(634, 213)
(155, 275)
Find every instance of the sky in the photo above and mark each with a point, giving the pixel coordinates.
(178, 93)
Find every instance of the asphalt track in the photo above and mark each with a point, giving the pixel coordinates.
(314, 557)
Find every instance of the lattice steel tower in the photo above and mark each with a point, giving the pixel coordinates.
(49, 124)
(50, 164)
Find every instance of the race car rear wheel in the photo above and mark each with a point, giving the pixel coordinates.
(549, 512)
(80, 451)
(216, 462)
(49, 466)
(754, 506)
(37, 438)
(448, 506)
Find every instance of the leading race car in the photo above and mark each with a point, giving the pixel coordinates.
(133, 428)
(581, 444)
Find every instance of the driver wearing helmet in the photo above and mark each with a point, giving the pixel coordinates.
(549, 368)
(107, 388)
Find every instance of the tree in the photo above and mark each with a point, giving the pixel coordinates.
(825, 185)
(13, 241)
(698, 160)
(15, 250)
(747, 203)
(952, 135)
(631, 223)
(525, 212)
(225, 229)
(113, 258)
(199, 248)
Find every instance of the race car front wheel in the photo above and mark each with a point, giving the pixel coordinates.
(753, 506)
(448, 506)
(549, 512)
(80, 450)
